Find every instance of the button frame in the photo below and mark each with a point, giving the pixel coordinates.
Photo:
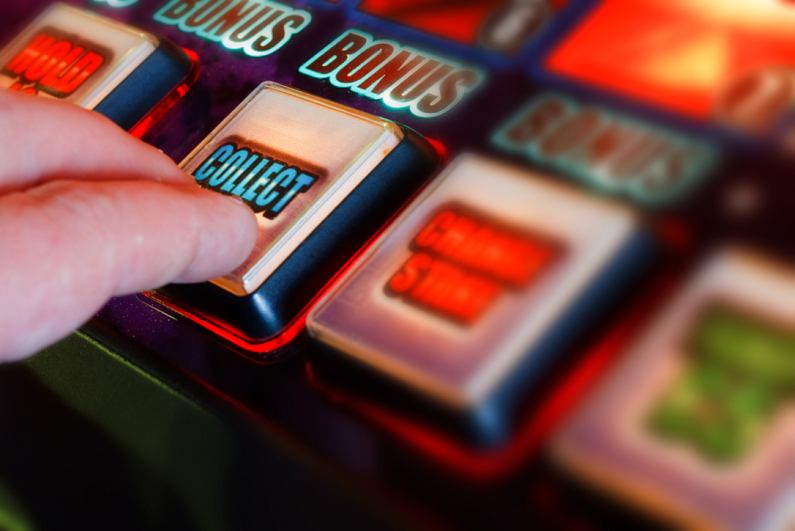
(481, 402)
(606, 444)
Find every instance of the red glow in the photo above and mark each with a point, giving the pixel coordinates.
(511, 258)
(538, 424)
(462, 263)
(145, 123)
(33, 50)
(52, 76)
(237, 338)
(678, 55)
(47, 60)
(295, 326)
(458, 21)
(443, 287)
(77, 75)
(441, 150)
(675, 234)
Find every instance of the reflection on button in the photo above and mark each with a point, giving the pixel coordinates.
(292, 158)
(322, 178)
(706, 440)
(469, 286)
(94, 62)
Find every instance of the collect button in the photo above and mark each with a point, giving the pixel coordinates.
(322, 178)
(267, 185)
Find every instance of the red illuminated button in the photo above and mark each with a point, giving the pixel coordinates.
(495, 24)
(472, 282)
(94, 62)
(697, 424)
(734, 60)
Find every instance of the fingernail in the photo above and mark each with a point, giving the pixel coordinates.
(235, 198)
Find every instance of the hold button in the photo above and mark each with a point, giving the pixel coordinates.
(121, 72)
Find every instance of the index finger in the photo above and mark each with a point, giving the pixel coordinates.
(51, 140)
(68, 246)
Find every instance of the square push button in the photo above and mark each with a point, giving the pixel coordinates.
(96, 63)
(698, 422)
(727, 61)
(322, 178)
(483, 277)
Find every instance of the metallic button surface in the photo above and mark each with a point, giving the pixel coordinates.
(73, 55)
(697, 416)
(470, 278)
(293, 158)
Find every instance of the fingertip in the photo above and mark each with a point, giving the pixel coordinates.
(227, 239)
(79, 144)
(70, 245)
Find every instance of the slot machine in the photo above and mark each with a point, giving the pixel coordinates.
(519, 264)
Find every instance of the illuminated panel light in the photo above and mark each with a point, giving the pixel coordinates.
(475, 284)
(706, 440)
(606, 151)
(96, 63)
(732, 61)
(492, 24)
(322, 179)
(257, 27)
(399, 76)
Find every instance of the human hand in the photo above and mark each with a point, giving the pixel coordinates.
(88, 212)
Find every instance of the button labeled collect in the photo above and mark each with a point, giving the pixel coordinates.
(322, 178)
(268, 187)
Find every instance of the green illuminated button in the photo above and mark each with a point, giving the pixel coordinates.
(701, 415)
(742, 372)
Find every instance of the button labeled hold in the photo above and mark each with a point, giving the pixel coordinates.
(97, 63)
